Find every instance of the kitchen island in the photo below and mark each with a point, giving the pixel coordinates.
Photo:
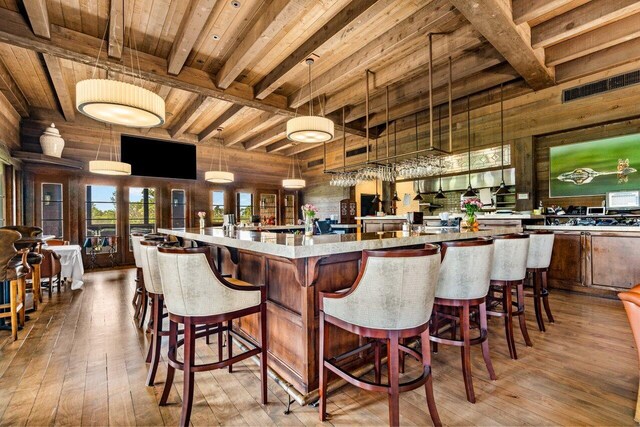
(295, 268)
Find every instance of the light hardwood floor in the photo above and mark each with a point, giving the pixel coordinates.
(80, 360)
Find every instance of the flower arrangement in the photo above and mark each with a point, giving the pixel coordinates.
(201, 214)
(309, 210)
(471, 206)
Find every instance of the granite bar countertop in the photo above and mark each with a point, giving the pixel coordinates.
(300, 246)
(590, 228)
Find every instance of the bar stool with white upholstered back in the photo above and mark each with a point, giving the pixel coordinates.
(538, 262)
(140, 299)
(196, 294)
(463, 285)
(508, 272)
(391, 300)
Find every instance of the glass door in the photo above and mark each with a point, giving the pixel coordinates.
(269, 209)
(178, 209)
(290, 212)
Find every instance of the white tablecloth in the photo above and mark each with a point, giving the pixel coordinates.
(71, 263)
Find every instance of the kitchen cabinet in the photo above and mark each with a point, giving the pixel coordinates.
(595, 262)
(374, 226)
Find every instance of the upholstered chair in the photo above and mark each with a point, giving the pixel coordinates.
(50, 268)
(13, 269)
(538, 262)
(140, 297)
(465, 274)
(26, 232)
(631, 302)
(391, 300)
(153, 285)
(196, 293)
(508, 272)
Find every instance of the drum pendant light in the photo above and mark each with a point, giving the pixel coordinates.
(219, 176)
(292, 182)
(503, 187)
(440, 194)
(113, 166)
(118, 102)
(310, 129)
(470, 192)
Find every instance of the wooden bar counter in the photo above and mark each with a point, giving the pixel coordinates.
(295, 268)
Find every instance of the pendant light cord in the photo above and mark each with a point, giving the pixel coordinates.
(502, 130)
(469, 138)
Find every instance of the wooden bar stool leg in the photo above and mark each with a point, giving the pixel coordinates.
(428, 386)
(376, 361)
(545, 297)
(263, 352)
(322, 389)
(171, 371)
(508, 320)
(394, 379)
(433, 329)
(156, 339)
(13, 304)
(521, 318)
(220, 335)
(37, 296)
(466, 352)
(145, 303)
(536, 301)
(484, 330)
(229, 344)
(22, 291)
(189, 361)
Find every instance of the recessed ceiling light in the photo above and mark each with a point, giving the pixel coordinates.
(235, 3)
(215, 37)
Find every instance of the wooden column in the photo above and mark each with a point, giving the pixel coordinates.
(522, 160)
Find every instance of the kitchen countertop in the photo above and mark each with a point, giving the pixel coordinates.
(603, 228)
(455, 215)
(300, 246)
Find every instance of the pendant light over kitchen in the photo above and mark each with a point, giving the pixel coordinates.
(117, 102)
(292, 182)
(470, 191)
(503, 187)
(219, 176)
(113, 166)
(440, 194)
(310, 129)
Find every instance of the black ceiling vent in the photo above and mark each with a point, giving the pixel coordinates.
(357, 151)
(605, 85)
(316, 162)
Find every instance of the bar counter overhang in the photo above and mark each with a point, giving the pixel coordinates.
(294, 268)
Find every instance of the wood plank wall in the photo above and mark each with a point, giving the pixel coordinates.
(9, 124)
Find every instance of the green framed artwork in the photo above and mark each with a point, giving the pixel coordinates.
(593, 168)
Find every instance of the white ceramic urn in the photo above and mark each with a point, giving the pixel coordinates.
(51, 142)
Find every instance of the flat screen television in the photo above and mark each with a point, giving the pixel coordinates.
(159, 158)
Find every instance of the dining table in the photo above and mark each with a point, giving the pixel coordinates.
(71, 263)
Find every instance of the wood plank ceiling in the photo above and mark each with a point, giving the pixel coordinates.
(240, 64)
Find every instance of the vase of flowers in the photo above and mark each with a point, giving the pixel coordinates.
(470, 206)
(202, 215)
(309, 212)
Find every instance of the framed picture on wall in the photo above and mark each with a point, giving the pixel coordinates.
(595, 167)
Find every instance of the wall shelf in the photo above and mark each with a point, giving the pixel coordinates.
(30, 157)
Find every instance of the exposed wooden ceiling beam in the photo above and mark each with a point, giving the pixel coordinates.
(39, 17)
(252, 127)
(271, 20)
(580, 20)
(430, 18)
(528, 10)
(190, 114)
(280, 145)
(608, 58)
(190, 28)
(266, 137)
(278, 75)
(463, 39)
(493, 19)
(60, 87)
(83, 48)
(301, 148)
(210, 130)
(116, 28)
(464, 66)
(163, 92)
(461, 88)
(593, 41)
(12, 92)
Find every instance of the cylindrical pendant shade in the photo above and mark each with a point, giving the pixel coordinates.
(294, 183)
(310, 129)
(219, 177)
(120, 103)
(108, 167)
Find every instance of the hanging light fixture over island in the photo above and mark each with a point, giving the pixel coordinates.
(310, 129)
(219, 176)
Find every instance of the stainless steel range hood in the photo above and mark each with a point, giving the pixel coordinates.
(460, 182)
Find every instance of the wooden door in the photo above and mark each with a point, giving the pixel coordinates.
(566, 269)
(614, 259)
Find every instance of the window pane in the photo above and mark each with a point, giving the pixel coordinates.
(52, 206)
(218, 197)
(178, 209)
(245, 199)
(217, 206)
(101, 210)
(52, 192)
(142, 210)
(52, 227)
